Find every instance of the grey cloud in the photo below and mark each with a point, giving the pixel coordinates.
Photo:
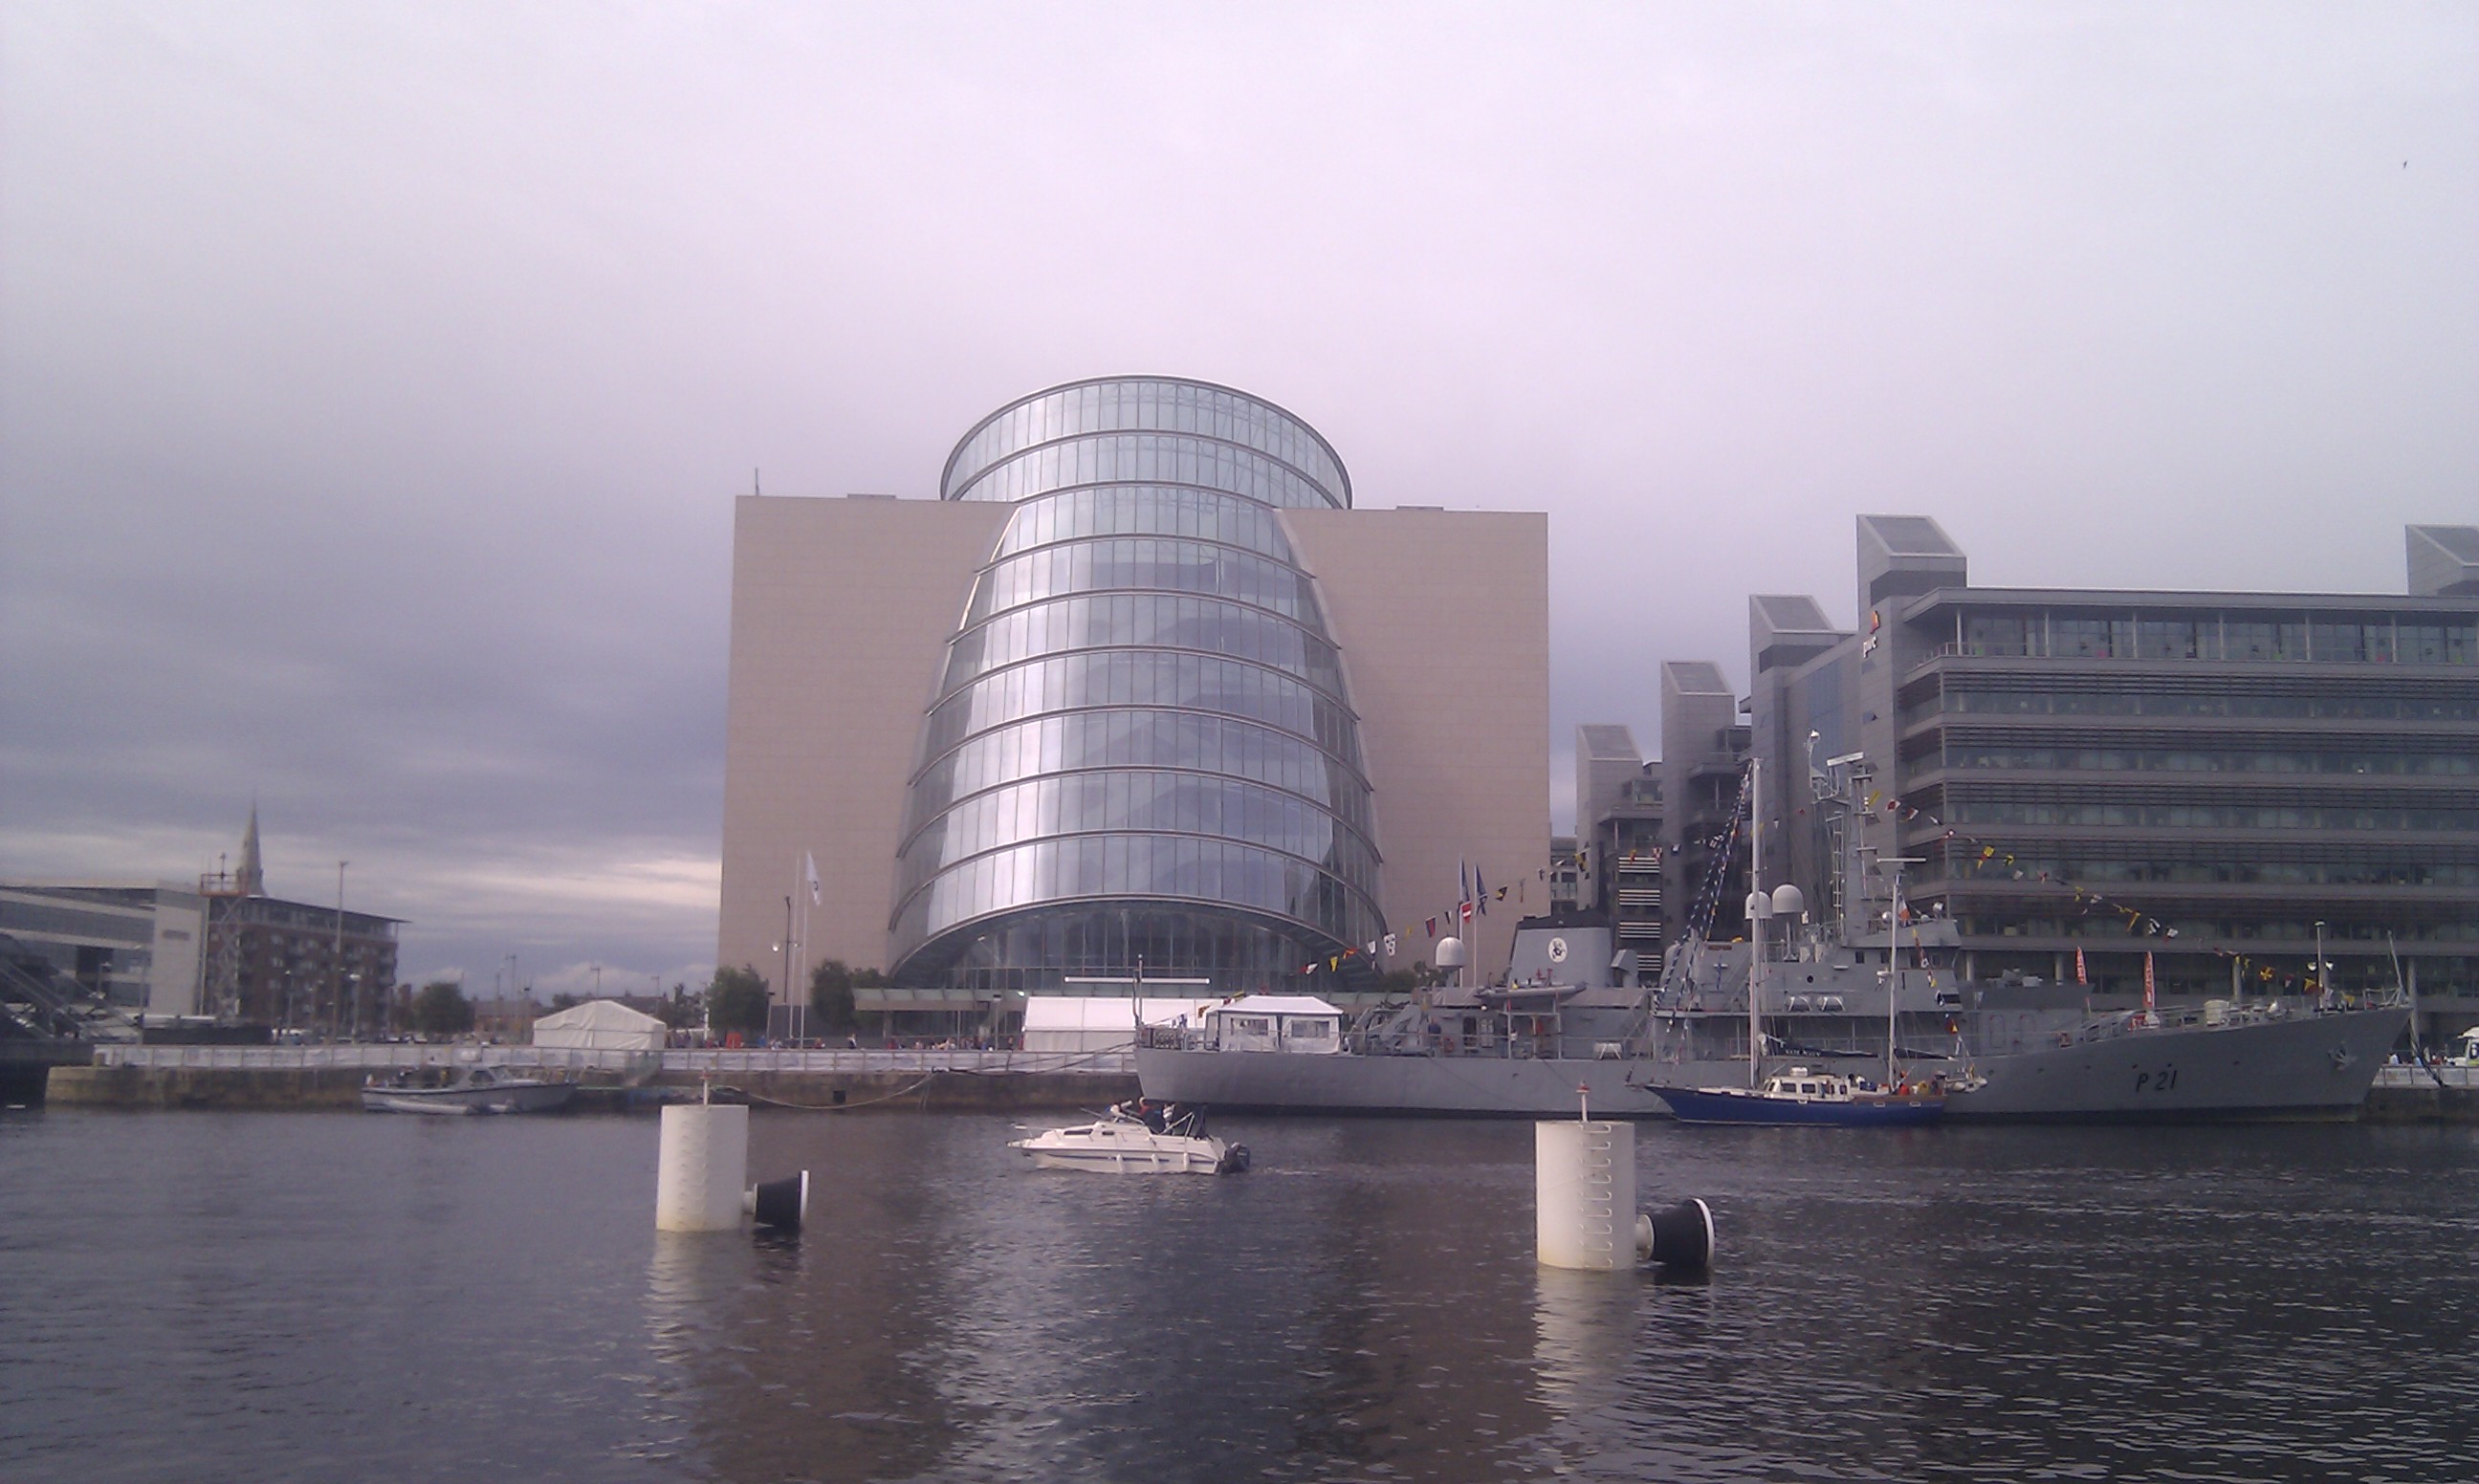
(374, 382)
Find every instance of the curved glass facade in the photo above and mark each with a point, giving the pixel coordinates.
(1142, 752)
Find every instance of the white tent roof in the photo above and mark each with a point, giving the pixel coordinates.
(599, 1015)
(1277, 1005)
(599, 1025)
(1104, 1013)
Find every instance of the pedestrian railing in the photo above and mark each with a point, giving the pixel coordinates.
(2419, 1077)
(704, 1063)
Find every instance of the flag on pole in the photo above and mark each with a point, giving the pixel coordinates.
(1462, 879)
(1480, 891)
(1466, 909)
(2081, 976)
(2147, 985)
(809, 874)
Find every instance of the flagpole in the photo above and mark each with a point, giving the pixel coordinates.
(805, 896)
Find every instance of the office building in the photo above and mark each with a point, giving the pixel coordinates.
(1619, 825)
(2207, 780)
(218, 947)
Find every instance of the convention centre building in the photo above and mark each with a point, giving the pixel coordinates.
(1140, 694)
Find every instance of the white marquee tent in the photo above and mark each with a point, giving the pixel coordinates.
(1064, 1023)
(599, 1025)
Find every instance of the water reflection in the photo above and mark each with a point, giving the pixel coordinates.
(312, 1298)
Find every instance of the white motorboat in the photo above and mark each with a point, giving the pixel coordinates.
(478, 1090)
(1135, 1143)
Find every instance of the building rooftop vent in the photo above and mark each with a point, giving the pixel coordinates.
(1904, 555)
(1791, 613)
(2443, 560)
(1612, 743)
(1695, 678)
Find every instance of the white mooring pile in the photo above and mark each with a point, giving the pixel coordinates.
(1584, 1192)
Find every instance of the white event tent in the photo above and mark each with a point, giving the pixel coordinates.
(599, 1025)
(1066, 1022)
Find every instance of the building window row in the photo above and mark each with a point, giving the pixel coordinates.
(2177, 814)
(1136, 677)
(1144, 510)
(1084, 868)
(1153, 621)
(2386, 762)
(1152, 406)
(2084, 870)
(1161, 803)
(2457, 705)
(1147, 458)
(2242, 637)
(2197, 935)
(1151, 563)
(1141, 739)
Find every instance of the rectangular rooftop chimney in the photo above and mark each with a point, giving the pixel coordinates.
(2443, 560)
(1902, 555)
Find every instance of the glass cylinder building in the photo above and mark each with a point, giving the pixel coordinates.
(1143, 755)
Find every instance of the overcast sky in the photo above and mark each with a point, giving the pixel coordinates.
(375, 380)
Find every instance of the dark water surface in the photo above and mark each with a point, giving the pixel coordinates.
(343, 1296)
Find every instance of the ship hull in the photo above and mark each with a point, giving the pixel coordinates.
(2303, 1069)
(1740, 1106)
(1478, 1086)
(2294, 1069)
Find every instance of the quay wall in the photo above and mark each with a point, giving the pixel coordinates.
(2416, 1098)
(315, 1078)
(219, 1089)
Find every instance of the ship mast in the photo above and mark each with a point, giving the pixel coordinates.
(1894, 960)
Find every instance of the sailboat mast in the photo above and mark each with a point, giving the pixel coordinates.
(1893, 972)
(1757, 909)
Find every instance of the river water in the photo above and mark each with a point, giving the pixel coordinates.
(343, 1296)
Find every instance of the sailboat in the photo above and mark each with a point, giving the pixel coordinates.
(1800, 1097)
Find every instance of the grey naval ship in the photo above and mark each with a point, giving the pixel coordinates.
(1565, 1025)
(1871, 988)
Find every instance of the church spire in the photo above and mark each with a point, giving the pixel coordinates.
(252, 878)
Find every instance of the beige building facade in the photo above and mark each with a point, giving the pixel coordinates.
(870, 634)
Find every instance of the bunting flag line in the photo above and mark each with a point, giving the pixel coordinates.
(2138, 923)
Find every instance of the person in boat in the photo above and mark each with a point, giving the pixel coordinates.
(1144, 1110)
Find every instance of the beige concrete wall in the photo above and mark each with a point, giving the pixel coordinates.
(1443, 619)
(840, 614)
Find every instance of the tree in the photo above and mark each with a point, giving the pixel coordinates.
(830, 994)
(682, 1009)
(737, 1001)
(562, 1000)
(439, 1009)
(1398, 983)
